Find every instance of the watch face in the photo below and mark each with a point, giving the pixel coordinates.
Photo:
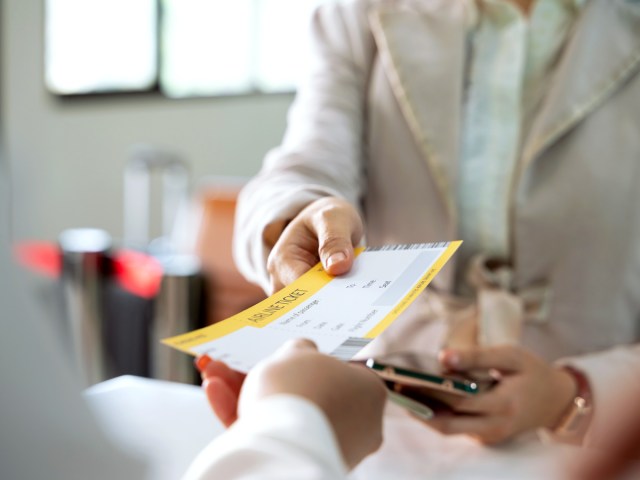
(580, 403)
(577, 419)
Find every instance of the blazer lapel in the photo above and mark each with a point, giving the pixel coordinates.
(422, 49)
(602, 54)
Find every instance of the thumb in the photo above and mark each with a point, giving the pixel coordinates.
(337, 232)
(337, 257)
(503, 358)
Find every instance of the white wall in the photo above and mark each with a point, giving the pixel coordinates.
(67, 156)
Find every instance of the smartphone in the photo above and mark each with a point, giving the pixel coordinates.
(421, 378)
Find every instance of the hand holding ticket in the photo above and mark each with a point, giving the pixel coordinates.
(340, 314)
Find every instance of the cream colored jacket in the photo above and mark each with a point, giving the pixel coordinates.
(378, 122)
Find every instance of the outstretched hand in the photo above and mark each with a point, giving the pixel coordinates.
(326, 230)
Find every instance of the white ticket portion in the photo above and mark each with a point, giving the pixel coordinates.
(340, 314)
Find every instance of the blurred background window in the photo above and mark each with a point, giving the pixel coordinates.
(94, 46)
(184, 48)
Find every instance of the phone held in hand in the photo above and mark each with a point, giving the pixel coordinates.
(420, 377)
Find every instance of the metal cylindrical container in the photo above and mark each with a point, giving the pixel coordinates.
(85, 265)
(179, 308)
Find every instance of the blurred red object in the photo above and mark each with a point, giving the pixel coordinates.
(136, 272)
(40, 257)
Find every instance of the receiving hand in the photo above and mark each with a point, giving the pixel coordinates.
(325, 230)
(530, 394)
(351, 397)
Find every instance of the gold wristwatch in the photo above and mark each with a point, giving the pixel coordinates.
(575, 422)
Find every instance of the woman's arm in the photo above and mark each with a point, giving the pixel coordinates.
(321, 154)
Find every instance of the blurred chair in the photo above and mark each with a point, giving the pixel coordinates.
(228, 291)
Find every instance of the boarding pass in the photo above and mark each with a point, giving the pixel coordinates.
(340, 314)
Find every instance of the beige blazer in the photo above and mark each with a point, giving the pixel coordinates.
(378, 122)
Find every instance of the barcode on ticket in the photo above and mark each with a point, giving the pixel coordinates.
(350, 347)
(409, 246)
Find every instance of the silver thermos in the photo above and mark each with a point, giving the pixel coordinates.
(180, 304)
(85, 257)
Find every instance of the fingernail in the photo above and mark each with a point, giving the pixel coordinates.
(450, 358)
(336, 258)
(201, 362)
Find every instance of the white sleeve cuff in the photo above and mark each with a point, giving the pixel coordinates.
(282, 437)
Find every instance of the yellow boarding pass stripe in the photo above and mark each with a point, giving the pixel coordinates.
(417, 289)
(261, 314)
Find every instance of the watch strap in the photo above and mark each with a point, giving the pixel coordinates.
(576, 420)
